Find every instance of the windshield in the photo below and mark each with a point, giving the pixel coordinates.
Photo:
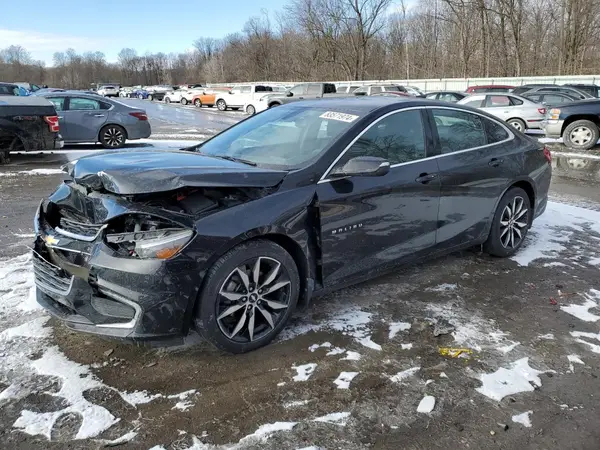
(281, 138)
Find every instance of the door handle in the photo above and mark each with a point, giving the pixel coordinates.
(98, 115)
(425, 178)
(495, 162)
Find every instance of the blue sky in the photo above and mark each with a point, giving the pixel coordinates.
(44, 27)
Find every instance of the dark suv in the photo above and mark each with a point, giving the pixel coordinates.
(9, 89)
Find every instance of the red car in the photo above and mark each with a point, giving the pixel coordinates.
(489, 88)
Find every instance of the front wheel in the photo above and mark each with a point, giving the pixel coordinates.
(221, 105)
(581, 135)
(518, 125)
(184, 101)
(510, 224)
(248, 296)
(112, 136)
(141, 96)
(198, 103)
(167, 100)
(251, 110)
(150, 97)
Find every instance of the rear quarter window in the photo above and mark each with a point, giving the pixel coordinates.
(494, 131)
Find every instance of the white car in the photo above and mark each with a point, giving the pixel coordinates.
(108, 90)
(518, 112)
(183, 96)
(242, 96)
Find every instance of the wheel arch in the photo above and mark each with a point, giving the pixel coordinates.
(575, 117)
(276, 103)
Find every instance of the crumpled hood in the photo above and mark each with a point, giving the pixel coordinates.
(148, 171)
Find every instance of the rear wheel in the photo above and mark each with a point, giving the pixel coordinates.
(198, 103)
(517, 124)
(167, 100)
(581, 135)
(150, 97)
(248, 296)
(251, 110)
(510, 224)
(112, 136)
(141, 96)
(221, 105)
(184, 101)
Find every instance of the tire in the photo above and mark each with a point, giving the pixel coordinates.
(235, 109)
(517, 124)
(581, 135)
(167, 100)
(184, 101)
(220, 328)
(250, 110)
(140, 96)
(198, 103)
(221, 105)
(574, 165)
(150, 97)
(112, 136)
(499, 241)
(273, 105)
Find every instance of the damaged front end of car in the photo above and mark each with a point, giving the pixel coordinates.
(121, 258)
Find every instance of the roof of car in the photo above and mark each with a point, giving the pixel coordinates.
(15, 100)
(4, 83)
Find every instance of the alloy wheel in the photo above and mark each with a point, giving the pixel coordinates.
(516, 125)
(197, 103)
(113, 137)
(513, 223)
(581, 136)
(251, 110)
(253, 299)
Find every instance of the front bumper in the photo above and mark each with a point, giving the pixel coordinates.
(552, 128)
(85, 284)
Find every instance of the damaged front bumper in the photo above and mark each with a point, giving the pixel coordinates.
(82, 281)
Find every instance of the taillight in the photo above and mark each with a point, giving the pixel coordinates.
(139, 115)
(547, 154)
(542, 111)
(52, 122)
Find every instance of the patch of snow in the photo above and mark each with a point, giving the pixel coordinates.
(281, 384)
(296, 403)
(24, 235)
(183, 405)
(574, 359)
(546, 337)
(426, 405)
(406, 346)
(428, 382)
(315, 347)
(139, 397)
(523, 419)
(504, 382)
(304, 371)
(580, 334)
(265, 431)
(582, 312)
(354, 322)
(445, 287)
(351, 356)
(340, 418)
(443, 375)
(404, 374)
(396, 327)
(551, 231)
(344, 379)
(121, 440)
(555, 264)
(32, 329)
(335, 351)
(17, 285)
(509, 348)
(594, 261)
(368, 342)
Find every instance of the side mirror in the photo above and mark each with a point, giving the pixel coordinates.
(289, 94)
(362, 166)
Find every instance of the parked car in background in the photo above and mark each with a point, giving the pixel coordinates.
(446, 96)
(488, 88)
(183, 95)
(125, 92)
(518, 112)
(371, 89)
(27, 123)
(139, 93)
(299, 92)
(414, 91)
(206, 98)
(9, 89)
(549, 99)
(347, 89)
(592, 89)
(191, 86)
(578, 123)
(336, 192)
(159, 91)
(29, 87)
(581, 95)
(242, 96)
(90, 118)
(108, 90)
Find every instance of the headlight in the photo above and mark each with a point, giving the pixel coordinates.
(554, 114)
(147, 237)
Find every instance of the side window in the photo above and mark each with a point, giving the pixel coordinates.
(497, 101)
(515, 101)
(535, 97)
(104, 105)
(431, 96)
(313, 89)
(475, 103)
(376, 89)
(361, 90)
(83, 104)
(398, 138)
(246, 89)
(298, 90)
(494, 131)
(59, 103)
(458, 130)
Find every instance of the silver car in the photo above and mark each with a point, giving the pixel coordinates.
(518, 112)
(89, 118)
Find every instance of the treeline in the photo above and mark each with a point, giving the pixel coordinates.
(355, 40)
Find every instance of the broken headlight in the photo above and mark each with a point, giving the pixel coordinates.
(146, 237)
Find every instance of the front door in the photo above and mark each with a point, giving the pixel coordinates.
(370, 222)
(85, 117)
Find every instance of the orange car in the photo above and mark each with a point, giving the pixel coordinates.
(207, 98)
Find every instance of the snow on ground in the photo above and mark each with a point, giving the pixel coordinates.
(523, 419)
(520, 377)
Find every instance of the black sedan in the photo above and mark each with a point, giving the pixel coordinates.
(231, 235)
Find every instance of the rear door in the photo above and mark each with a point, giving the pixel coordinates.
(369, 222)
(477, 161)
(84, 118)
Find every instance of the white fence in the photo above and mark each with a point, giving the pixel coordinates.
(457, 84)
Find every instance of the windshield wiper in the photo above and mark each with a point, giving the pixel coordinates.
(234, 159)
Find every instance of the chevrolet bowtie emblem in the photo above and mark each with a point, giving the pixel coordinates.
(51, 240)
